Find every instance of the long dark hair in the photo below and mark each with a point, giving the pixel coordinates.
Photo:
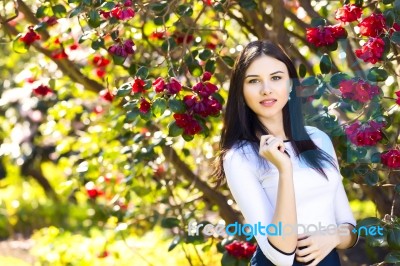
(241, 123)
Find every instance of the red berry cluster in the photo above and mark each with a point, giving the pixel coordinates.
(348, 13)
(100, 64)
(30, 37)
(122, 49)
(391, 158)
(42, 90)
(240, 249)
(359, 90)
(200, 103)
(371, 51)
(365, 134)
(173, 87)
(325, 35)
(120, 12)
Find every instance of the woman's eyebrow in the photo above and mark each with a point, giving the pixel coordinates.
(276, 72)
(250, 76)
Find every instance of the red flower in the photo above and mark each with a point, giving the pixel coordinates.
(348, 13)
(241, 250)
(100, 61)
(50, 21)
(138, 86)
(74, 46)
(398, 97)
(59, 54)
(174, 86)
(205, 89)
(157, 35)
(144, 106)
(42, 90)
(189, 124)
(105, 14)
(207, 2)
(106, 95)
(372, 26)
(159, 85)
(180, 38)
(100, 72)
(122, 13)
(190, 100)
(92, 191)
(367, 134)
(325, 35)
(30, 36)
(391, 158)
(371, 51)
(206, 76)
(358, 90)
(122, 49)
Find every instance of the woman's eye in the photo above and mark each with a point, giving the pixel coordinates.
(253, 81)
(276, 78)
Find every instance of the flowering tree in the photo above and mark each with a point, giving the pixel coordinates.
(126, 97)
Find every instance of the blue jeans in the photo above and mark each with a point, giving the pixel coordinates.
(259, 259)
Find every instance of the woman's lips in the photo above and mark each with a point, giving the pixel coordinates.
(268, 102)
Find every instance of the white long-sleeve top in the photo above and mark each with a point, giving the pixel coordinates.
(319, 201)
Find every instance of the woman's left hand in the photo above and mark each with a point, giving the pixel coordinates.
(315, 247)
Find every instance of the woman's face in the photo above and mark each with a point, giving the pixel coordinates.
(266, 88)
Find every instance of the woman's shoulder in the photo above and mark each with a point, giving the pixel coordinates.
(242, 149)
(315, 132)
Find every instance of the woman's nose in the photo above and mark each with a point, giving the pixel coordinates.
(266, 88)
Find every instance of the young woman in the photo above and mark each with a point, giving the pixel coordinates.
(279, 171)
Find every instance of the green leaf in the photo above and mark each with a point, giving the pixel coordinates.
(228, 60)
(174, 130)
(371, 178)
(396, 5)
(77, 10)
(97, 44)
(42, 11)
(59, 11)
(187, 137)
(118, 60)
(210, 66)
(107, 6)
(176, 106)
(395, 37)
(315, 22)
(390, 17)
(169, 222)
(159, 106)
(130, 105)
(146, 116)
(370, 221)
(337, 78)
(195, 69)
(248, 4)
(94, 19)
(205, 54)
(159, 7)
(309, 81)
(142, 72)
(376, 74)
(132, 115)
(168, 44)
(174, 243)
(123, 91)
(375, 240)
(184, 11)
(325, 65)
(228, 260)
(87, 2)
(393, 257)
(302, 71)
(19, 46)
(387, 2)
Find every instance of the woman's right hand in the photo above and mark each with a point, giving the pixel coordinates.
(273, 150)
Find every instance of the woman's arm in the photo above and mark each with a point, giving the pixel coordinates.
(242, 178)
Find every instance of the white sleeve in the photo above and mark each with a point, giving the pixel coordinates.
(241, 173)
(343, 212)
